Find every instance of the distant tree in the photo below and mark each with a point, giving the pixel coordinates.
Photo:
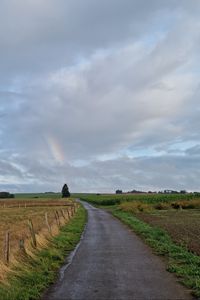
(118, 192)
(5, 195)
(65, 191)
(183, 192)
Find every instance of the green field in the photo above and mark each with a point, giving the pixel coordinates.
(111, 199)
(37, 195)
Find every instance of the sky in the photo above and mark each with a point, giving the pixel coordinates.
(102, 95)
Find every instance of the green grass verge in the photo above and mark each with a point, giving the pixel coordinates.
(33, 276)
(183, 263)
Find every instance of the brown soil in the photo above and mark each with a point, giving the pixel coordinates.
(182, 225)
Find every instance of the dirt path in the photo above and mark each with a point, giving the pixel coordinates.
(113, 263)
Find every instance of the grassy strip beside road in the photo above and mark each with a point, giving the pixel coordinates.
(36, 273)
(184, 264)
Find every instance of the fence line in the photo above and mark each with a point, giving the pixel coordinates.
(65, 213)
(7, 248)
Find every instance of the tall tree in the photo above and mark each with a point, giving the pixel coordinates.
(65, 191)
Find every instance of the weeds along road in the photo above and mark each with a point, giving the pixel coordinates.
(111, 262)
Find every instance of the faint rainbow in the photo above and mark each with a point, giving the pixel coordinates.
(55, 149)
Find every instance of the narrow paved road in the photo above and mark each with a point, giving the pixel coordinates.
(113, 263)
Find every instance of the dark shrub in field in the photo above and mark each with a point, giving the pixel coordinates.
(175, 205)
(106, 202)
(5, 195)
(161, 206)
(101, 201)
(110, 202)
(190, 204)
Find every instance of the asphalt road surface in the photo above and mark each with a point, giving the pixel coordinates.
(112, 263)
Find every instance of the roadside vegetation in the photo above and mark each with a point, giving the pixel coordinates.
(170, 224)
(41, 233)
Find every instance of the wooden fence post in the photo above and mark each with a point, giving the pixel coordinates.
(68, 214)
(21, 246)
(75, 206)
(72, 210)
(47, 223)
(57, 217)
(7, 247)
(30, 225)
(63, 214)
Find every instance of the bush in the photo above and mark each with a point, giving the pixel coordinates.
(161, 206)
(175, 205)
(190, 204)
(6, 195)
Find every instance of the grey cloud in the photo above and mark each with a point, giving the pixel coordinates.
(194, 151)
(40, 35)
(7, 168)
(146, 173)
(88, 81)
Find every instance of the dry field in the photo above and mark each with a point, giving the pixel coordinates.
(15, 216)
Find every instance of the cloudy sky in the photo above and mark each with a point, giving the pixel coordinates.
(99, 94)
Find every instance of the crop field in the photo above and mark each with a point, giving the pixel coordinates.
(26, 222)
(111, 199)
